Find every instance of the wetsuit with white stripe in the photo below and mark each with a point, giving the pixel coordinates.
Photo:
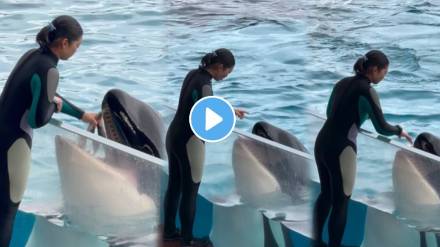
(186, 154)
(352, 101)
(26, 103)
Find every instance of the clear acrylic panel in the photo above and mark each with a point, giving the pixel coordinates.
(95, 185)
(249, 169)
(394, 178)
(103, 188)
(246, 168)
(246, 175)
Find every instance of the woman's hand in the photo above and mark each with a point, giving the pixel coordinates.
(91, 118)
(407, 136)
(240, 113)
(59, 102)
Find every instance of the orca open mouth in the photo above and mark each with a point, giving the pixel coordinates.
(128, 121)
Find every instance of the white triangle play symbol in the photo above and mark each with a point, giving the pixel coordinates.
(211, 119)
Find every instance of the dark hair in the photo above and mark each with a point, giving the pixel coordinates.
(219, 56)
(371, 59)
(63, 26)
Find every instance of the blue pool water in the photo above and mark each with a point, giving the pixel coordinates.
(289, 54)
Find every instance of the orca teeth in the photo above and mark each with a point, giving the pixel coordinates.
(110, 127)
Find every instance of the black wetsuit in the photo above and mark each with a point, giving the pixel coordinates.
(25, 103)
(352, 101)
(186, 157)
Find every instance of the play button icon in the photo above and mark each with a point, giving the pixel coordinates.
(212, 119)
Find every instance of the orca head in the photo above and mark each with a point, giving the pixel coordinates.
(269, 165)
(273, 133)
(415, 177)
(428, 143)
(132, 122)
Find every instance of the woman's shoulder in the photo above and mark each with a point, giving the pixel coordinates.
(41, 58)
(198, 75)
(361, 81)
(345, 81)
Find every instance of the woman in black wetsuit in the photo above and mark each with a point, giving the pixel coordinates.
(186, 152)
(352, 101)
(27, 102)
